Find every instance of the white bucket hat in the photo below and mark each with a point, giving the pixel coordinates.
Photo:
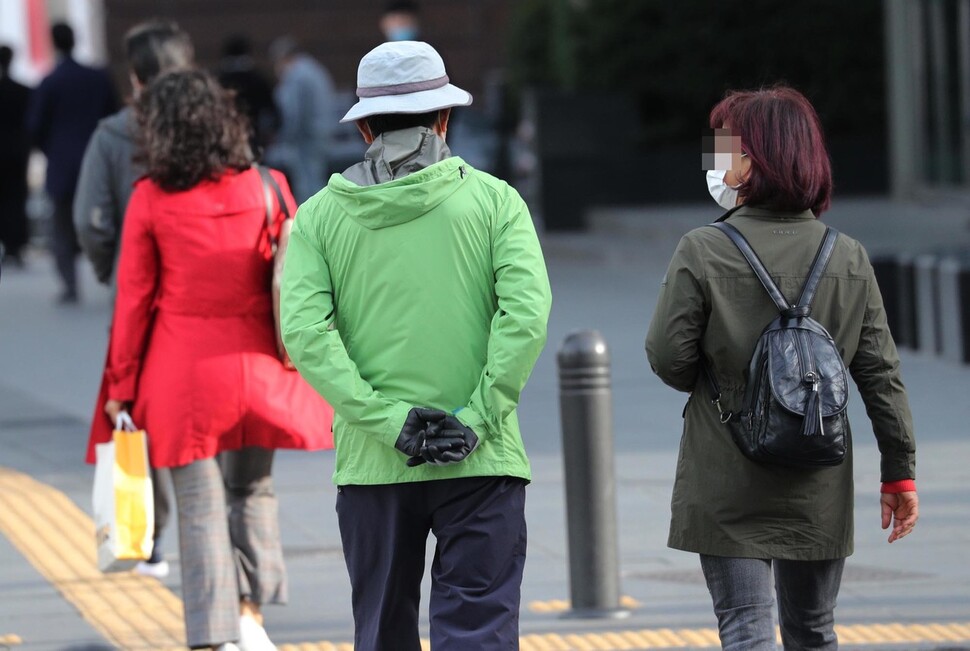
(403, 77)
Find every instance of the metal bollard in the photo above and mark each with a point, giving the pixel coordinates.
(585, 402)
(954, 282)
(927, 304)
(908, 317)
(895, 277)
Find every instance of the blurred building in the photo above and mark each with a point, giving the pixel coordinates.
(468, 33)
(928, 74)
(25, 26)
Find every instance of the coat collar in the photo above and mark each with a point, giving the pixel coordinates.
(767, 213)
(396, 154)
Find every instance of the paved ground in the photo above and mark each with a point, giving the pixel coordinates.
(50, 361)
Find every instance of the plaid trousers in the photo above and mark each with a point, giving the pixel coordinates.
(229, 541)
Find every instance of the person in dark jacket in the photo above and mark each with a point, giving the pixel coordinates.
(108, 175)
(14, 154)
(254, 91)
(64, 112)
(108, 171)
(748, 519)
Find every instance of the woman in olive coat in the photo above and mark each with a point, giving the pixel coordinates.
(745, 518)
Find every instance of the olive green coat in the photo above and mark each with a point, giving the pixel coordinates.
(711, 303)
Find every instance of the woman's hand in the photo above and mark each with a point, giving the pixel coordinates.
(902, 510)
(114, 407)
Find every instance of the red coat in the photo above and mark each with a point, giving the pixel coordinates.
(192, 339)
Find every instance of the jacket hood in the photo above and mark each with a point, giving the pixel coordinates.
(401, 200)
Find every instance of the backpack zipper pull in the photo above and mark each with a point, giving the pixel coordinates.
(812, 423)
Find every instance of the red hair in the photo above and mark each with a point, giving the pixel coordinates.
(782, 137)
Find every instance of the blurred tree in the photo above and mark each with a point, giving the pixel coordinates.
(676, 59)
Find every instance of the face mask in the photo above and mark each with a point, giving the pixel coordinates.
(402, 34)
(725, 196)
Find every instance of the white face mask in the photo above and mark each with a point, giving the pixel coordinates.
(725, 195)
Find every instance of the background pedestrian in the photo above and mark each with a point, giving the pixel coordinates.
(400, 21)
(254, 91)
(14, 156)
(305, 101)
(64, 112)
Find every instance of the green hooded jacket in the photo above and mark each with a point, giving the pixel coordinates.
(428, 289)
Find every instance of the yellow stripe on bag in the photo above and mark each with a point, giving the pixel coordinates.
(132, 487)
(57, 538)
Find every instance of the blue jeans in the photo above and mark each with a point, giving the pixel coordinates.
(742, 593)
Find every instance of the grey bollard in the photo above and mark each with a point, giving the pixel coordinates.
(908, 317)
(585, 402)
(927, 288)
(895, 277)
(887, 275)
(954, 282)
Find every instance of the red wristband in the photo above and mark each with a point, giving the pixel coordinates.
(899, 486)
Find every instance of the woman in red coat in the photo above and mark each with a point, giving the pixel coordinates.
(193, 354)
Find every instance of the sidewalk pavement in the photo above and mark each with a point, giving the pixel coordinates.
(914, 594)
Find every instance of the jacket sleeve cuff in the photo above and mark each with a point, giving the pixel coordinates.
(470, 418)
(900, 486)
(395, 422)
(122, 388)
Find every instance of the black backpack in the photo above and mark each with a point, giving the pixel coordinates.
(793, 410)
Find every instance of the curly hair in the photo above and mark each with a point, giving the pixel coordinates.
(189, 130)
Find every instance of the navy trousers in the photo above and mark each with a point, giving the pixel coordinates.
(476, 575)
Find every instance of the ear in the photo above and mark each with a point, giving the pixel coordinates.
(365, 131)
(136, 85)
(440, 126)
(744, 169)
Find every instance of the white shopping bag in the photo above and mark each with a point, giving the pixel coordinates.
(124, 513)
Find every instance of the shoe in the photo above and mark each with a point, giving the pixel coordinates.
(252, 636)
(158, 569)
(68, 297)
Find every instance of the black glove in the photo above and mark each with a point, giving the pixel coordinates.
(411, 439)
(433, 445)
(452, 444)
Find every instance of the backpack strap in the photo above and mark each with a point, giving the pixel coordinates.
(755, 263)
(821, 261)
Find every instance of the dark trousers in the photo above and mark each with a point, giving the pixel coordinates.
(64, 244)
(161, 480)
(476, 575)
(13, 205)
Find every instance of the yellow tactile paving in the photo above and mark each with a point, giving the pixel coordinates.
(58, 539)
(561, 605)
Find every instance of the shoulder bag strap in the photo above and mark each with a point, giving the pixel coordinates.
(270, 187)
(755, 263)
(706, 369)
(821, 261)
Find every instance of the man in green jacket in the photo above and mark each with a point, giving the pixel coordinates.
(415, 300)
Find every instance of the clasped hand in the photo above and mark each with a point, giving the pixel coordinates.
(436, 437)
